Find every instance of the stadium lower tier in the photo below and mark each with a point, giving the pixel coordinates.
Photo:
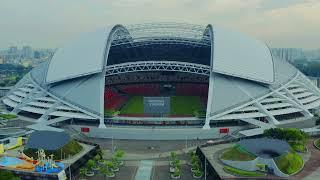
(179, 106)
(176, 100)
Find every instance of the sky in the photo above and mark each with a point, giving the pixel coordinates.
(52, 23)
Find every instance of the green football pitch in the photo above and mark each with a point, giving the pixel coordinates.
(180, 105)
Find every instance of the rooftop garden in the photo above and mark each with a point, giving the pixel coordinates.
(289, 163)
(70, 149)
(239, 172)
(295, 137)
(236, 153)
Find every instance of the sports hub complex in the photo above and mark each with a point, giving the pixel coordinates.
(160, 79)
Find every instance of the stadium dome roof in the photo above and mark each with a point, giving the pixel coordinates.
(235, 54)
(245, 80)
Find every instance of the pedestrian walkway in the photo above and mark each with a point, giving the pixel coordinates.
(312, 166)
(144, 171)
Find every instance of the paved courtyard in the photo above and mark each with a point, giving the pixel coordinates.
(311, 170)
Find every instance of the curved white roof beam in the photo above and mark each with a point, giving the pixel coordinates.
(236, 54)
(84, 56)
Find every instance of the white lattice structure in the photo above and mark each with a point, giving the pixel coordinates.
(158, 66)
(245, 82)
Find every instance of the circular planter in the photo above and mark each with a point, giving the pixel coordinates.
(175, 177)
(89, 174)
(196, 177)
(192, 170)
(121, 163)
(172, 169)
(111, 175)
(101, 161)
(171, 163)
(96, 168)
(115, 170)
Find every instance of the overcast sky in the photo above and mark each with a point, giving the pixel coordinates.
(51, 23)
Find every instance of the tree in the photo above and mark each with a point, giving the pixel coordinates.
(100, 153)
(90, 164)
(8, 175)
(119, 154)
(295, 137)
(83, 171)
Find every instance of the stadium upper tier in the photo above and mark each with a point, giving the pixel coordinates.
(245, 81)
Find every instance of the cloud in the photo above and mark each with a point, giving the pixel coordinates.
(45, 23)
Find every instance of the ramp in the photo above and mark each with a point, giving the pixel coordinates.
(43, 127)
(144, 171)
(258, 123)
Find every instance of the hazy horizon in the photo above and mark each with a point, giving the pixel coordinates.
(50, 24)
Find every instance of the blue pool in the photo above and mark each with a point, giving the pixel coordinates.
(10, 161)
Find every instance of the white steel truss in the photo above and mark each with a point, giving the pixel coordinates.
(158, 66)
(37, 100)
(172, 33)
(299, 98)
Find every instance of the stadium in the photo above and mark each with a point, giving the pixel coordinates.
(193, 79)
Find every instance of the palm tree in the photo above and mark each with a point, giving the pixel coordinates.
(118, 155)
(106, 171)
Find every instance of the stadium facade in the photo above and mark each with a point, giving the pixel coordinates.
(245, 82)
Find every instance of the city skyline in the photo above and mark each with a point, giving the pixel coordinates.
(286, 23)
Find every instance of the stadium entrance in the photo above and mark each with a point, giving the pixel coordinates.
(156, 98)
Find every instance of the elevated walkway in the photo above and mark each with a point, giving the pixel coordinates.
(257, 131)
(55, 120)
(43, 127)
(153, 133)
(258, 123)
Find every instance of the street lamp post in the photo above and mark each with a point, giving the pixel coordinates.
(186, 138)
(205, 168)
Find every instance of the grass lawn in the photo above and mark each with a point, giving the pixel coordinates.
(240, 172)
(133, 106)
(289, 163)
(299, 147)
(7, 116)
(72, 148)
(185, 105)
(180, 105)
(236, 154)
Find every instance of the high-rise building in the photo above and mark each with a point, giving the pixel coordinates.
(13, 50)
(27, 52)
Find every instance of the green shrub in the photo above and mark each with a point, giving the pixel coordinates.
(198, 173)
(119, 154)
(8, 175)
(8, 116)
(287, 134)
(235, 153)
(173, 156)
(90, 164)
(240, 172)
(289, 163)
(177, 172)
(298, 147)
